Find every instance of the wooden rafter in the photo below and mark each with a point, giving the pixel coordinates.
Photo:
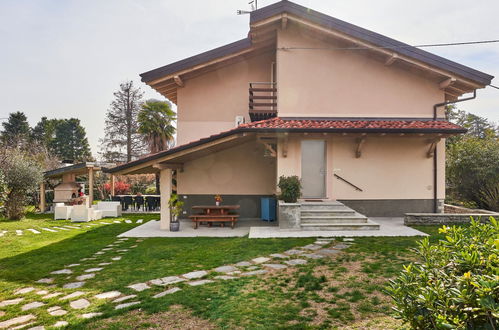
(390, 60)
(268, 146)
(178, 81)
(360, 143)
(447, 82)
(432, 148)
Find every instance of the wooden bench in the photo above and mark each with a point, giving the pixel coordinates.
(211, 218)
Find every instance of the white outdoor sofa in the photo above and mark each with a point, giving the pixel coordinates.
(62, 211)
(82, 213)
(109, 209)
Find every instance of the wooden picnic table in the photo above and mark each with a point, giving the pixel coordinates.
(215, 213)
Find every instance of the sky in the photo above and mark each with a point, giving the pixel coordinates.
(65, 59)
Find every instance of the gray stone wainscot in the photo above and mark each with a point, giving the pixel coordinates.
(445, 218)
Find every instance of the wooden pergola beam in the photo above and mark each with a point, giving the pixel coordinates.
(90, 185)
(178, 81)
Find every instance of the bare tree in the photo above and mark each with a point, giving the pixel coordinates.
(122, 142)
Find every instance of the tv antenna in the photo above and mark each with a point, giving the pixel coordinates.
(254, 6)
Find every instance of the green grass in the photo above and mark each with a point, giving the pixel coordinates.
(328, 293)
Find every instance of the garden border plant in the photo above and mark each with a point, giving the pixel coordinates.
(456, 284)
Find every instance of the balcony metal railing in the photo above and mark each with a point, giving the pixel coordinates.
(262, 100)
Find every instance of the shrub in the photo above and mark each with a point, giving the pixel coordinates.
(120, 188)
(290, 188)
(22, 176)
(456, 284)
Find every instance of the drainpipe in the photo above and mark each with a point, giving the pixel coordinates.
(435, 163)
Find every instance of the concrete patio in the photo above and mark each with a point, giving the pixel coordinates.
(255, 228)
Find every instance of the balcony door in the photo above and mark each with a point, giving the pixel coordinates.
(313, 168)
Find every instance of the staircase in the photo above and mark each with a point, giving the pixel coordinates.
(332, 215)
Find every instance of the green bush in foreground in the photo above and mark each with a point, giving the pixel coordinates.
(456, 285)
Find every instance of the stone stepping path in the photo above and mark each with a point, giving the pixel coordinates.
(17, 320)
(55, 229)
(256, 266)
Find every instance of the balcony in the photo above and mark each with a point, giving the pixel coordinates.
(262, 100)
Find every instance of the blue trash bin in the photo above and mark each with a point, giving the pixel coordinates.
(268, 206)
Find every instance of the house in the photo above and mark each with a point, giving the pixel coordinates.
(359, 117)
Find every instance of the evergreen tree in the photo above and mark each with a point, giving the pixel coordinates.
(44, 131)
(16, 130)
(121, 136)
(70, 141)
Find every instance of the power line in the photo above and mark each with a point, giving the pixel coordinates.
(396, 47)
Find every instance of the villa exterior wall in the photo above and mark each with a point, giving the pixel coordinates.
(240, 170)
(208, 104)
(394, 172)
(342, 83)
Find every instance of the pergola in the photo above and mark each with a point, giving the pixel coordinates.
(69, 173)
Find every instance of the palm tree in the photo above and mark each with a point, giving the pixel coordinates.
(156, 126)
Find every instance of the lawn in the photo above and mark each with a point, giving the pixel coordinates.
(343, 290)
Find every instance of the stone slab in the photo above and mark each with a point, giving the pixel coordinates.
(17, 320)
(32, 305)
(293, 252)
(24, 290)
(254, 272)
(279, 255)
(200, 282)
(52, 295)
(85, 277)
(225, 269)
(58, 312)
(42, 292)
(108, 295)
(260, 260)
(125, 305)
(196, 274)
(60, 324)
(124, 298)
(10, 302)
(91, 270)
(73, 285)
(53, 308)
(72, 295)
(328, 251)
(294, 262)
(225, 277)
(116, 258)
(50, 230)
(275, 266)
(164, 293)
(171, 280)
(312, 255)
(34, 231)
(243, 264)
(312, 247)
(90, 315)
(139, 287)
(62, 271)
(73, 265)
(79, 304)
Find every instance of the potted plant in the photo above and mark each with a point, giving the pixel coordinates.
(290, 187)
(176, 208)
(218, 200)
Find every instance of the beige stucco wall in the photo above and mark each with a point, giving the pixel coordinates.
(333, 83)
(390, 167)
(209, 103)
(240, 170)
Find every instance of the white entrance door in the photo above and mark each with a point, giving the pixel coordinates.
(313, 168)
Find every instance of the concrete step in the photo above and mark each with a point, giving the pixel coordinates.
(369, 225)
(334, 219)
(321, 213)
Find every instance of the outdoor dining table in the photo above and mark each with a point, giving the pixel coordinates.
(215, 213)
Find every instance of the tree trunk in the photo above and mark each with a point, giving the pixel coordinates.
(157, 184)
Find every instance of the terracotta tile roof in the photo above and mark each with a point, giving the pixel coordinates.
(361, 124)
(314, 125)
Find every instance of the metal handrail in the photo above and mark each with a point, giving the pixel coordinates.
(346, 181)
